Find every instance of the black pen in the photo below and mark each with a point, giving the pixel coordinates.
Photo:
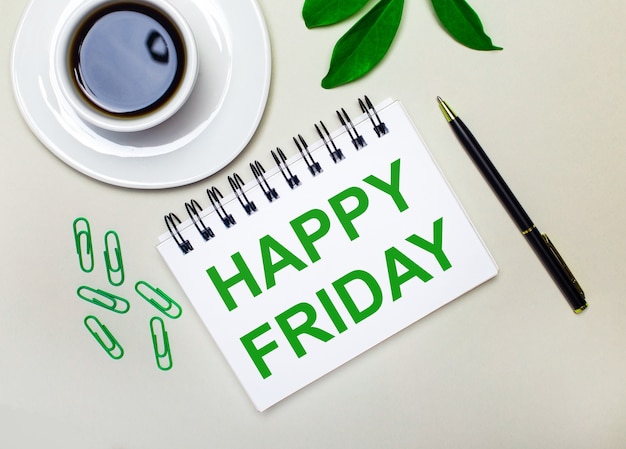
(542, 245)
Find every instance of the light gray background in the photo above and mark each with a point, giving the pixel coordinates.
(506, 366)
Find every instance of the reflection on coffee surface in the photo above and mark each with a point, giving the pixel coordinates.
(127, 59)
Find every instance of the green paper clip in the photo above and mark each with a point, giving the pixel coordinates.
(164, 357)
(103, 299)
(104, 337)
(160, 300)
(84, 245)
(114, 266)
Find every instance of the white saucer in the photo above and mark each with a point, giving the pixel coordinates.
(210, 130)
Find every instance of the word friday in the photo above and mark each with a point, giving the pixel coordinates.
(309, 228)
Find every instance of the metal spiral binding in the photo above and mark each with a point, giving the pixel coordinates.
(194, 209)
(335, 153)
(259, 174)
(281, 161)
(214, 196)
(357, 140)
(183, 244)
(379, 127)
(236, 183)
(314, 167)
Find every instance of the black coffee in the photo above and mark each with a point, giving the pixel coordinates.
(127, 59)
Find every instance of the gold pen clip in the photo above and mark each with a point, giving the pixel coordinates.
(564, 265)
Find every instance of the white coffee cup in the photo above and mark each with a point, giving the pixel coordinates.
(125, 65)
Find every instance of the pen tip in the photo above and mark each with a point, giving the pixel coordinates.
(447, 111)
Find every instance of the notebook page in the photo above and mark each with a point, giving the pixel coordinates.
(333, 267)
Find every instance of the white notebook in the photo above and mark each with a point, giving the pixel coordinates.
(325, 255)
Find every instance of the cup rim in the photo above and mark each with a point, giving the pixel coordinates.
(101, 119)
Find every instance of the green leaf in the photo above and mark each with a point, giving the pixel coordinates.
(463, 24)
(365, 44)
(317, 13)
